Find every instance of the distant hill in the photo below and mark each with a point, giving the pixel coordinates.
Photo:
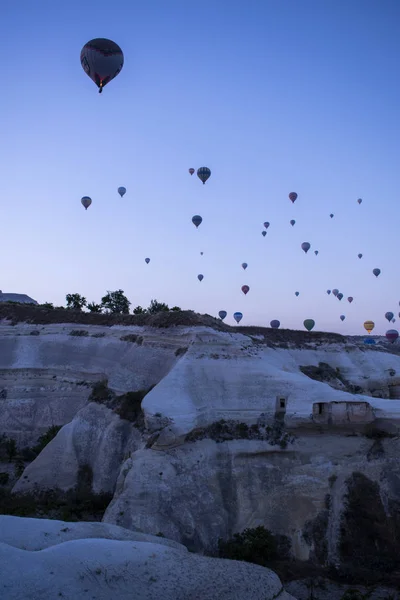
(20, 298)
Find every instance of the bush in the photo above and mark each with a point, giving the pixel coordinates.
(44, 439)
(130, 405)
(131, 337)
(374, 433)
(156, 307)
(100, 392)
(4, 478)
(258, 546)
(79, 332)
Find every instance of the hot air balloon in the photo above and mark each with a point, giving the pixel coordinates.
(245, 289)
(196, 220)
(293, 196)
(238, 316)
(376, 272)
(369, 325)
(389, 316)
(335, 292)
(244, 266)
(222, 313)
(201, 253)
(350, 299)
(121, 191)
(200, 277)
(191, 171)
(359, 255)
(393, 320)
(331, 215)
(342, 317)
(328, 292)
(309, 324)
(275, 324)
(392, 335)
(369, 341)
(203, 174)
(359, 200)
(86, 202)
(296, 293)
(292, 222)
(147, 260)
(316, 252)
(339, 296)
(305, 246)
(266, 224)
(102, 60)
(264, 233)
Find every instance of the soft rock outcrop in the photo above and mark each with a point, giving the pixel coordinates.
(105, 569)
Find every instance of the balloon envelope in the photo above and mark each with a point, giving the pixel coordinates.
(316, 252)
(305, 246)
(370, 341)
(292, 196)
(292, 222)
(147, 260)
(222, 314)
(328, 292)
(191, 171)
(238, 316)
(392, 335)
(369, 325)
(203, 174)
(339, 296)
(309, 324)
(360, 256)
(350, 299)
(331, 215)
(342, 317)
(275, 324)
(196, 220)
(359, 200)
(121, 191)
(296, 293)
(264, 233)
(266, 224)
(244, 266)
(86, 202)
(389, 316)
(376, 272)
(102, 60)
(200, 277)
(335, 292)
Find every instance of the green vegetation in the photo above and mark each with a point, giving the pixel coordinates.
(116, 302)
(131, 337)
(223, 431)
(75, 301)
(79, 332)
(258, 546)
(100, 392)
(46, 438)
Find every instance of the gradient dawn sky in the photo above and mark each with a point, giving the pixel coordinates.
(273, 96)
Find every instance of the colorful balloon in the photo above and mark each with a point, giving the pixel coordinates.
(293, 196)
(244, 266)
(86, 202)
(191, 171)
(389, 316)
(369, 325)
(305, 246)
(121, 191)
(238, 316)
(102, 60)
(309, 324)
(392, 335)
(203, 174)
(245, 289)
(376, 272)
(196, 220)
(222, 313)
(275, 324)
(200, 277)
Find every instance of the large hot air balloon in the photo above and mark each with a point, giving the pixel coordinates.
(359, 255)
(335, 292)
(196, 220)
(222, 313)
(263, 233)
(309, 324)
(238, 316)
(121, 191)
(200, 277)
(245, 289)
(342, 317)
(389, 316)
(392, 335)
(86, 202)
(203, 174)
(266, 224)
(376, 272)
(305, 246)
(275, 324)
(191, 171)
(292, 222)
(369, 325)
(328, 292)
(339, 296)
(244, 266)
(296, 293)
(102, 60)
(147, 260)
(293, 196)
(359, 200)
(350, 299)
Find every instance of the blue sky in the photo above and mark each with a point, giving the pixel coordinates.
(273, 96)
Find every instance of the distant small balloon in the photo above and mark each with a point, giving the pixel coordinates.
(309, 324)
(266, 224)
(339, 296)
(393, 320)
(360, 255)
(305, 246)
(245, 289)
(147, 260)
(392, 335)
(316, 252)
(196, 220)
(121, 191)
(389, 316)
(296, 293)
(359, 200)
(293, 196)
(191, 171)
(238, 316)
(200, 277)
(342, 317)
(244, 266)
(201, 253)
(264, 233)
(222, 313)
(275, 324)
(335, 292)
(292, 222)
(86, 202)
(331, 215)
(376, 272)
(350, 299)
(328, 292)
